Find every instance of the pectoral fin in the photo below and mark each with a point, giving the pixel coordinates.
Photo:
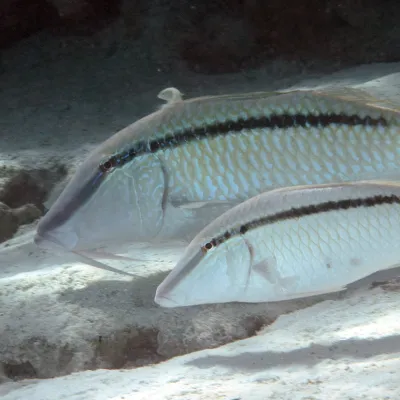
(106, 255)
(267, 268)
(359, 96)
(100, 265)
(284, 285)
(196, 205)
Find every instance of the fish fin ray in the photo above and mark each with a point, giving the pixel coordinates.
(100, 265)
(195, 205)
(333, 289)
(170, 95)
(238, 96)
(390, 177)
(357, 95)
(109, 256)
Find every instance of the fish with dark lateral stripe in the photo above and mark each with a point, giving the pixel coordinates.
(290, 243)
(175, 170)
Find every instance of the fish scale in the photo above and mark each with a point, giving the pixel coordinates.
(363, 237)
(217, 151)
(284, 168)
(290, 243)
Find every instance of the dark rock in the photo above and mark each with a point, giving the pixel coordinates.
(21, 189)
(290, 27)
(12, 219)
(85, 17)
(220, 44)
(22, 198)
(22, 18)
(31, 187)
(359, 13)
(17, 371)
(349, 32)
(214, 36)
(8, 223)
(132, 14)
(26, 214)
(128, 347)
(223, 36)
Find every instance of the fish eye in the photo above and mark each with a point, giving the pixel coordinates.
(108, 165)
(207, 247)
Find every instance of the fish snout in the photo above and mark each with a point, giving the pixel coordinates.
(40, 241)
(162, 299)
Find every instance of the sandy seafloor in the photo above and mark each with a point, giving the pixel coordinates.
(56, 104)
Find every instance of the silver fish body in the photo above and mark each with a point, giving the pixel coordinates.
(219, 151)
(290, 243)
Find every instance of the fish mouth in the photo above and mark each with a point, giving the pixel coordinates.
(170, 293)
(165, 301)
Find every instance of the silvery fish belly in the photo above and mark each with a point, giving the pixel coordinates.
(290, 243)
(186, 163)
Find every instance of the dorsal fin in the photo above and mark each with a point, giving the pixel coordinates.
(170, 95)
(358, 95)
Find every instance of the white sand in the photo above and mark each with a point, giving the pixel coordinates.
(347, 349)
(53, 309)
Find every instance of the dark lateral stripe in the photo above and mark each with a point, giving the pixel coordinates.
(299, 212)
(281, 121)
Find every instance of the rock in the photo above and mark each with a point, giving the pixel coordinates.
(31, 187)
(211, 37)
(69, 7)
(21, 189)
(85, 17)
(216, 37)
(220, 44)
(26, 214)
(22, 198)
(23, 370)
(348, 32)
(12, 219)
(22, 18)
(291, 28)
(132, 13)
(358, 13)
(8, 223)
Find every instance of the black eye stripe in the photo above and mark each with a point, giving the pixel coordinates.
(299, 212)
(208, 246)
(111, 163)
(236, 126)
(106, 166)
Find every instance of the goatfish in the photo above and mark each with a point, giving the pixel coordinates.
(191, 160)
(289, 243)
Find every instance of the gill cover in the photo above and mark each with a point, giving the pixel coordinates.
(215, 276)
(123, 205)
(128, 206)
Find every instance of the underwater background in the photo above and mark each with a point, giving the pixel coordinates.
(74, 72)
